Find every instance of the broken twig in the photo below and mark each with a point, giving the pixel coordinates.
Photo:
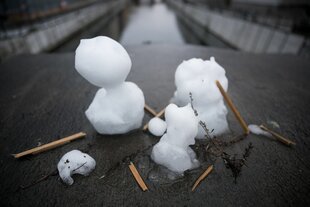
(278, 136)
(192, 105)
(137, 176)
(233, 108)
(157, 115)
(50, 145)
(150, 110)
(202, 176)
(45, 177)
(79, 167)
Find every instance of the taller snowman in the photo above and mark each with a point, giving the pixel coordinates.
(118, 106)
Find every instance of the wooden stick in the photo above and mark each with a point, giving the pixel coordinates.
(150, 110)
(278, 136)
(157, 115)
(45, 177)
(233, 108)
(137, 176)
(202, 176)
(50, 145)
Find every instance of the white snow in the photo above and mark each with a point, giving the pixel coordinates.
(257, 130)
(157, 126)
(173, 151)
(75, 162)
(198, 77)
(102, 61)
(118, 106)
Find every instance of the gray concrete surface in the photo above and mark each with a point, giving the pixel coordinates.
(43, 98)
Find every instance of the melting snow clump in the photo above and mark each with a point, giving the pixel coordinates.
(118, 107)
(173, 151)
(157, 126)
(198, 77)
(75, 162)
(257, 130)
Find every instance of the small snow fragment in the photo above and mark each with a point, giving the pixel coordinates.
(258, 131)
(157, 126)
(75, 162)
(274, 124)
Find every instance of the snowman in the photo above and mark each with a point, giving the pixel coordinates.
(197, 77)
(118, 106)
(173, 151)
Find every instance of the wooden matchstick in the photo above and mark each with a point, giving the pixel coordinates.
(137, 176)
(233, 108)
(202, 176)
(150, 110)
(157, 115)
(50, 145)
(278, 136)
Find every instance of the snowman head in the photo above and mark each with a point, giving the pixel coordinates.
(182, 125)
(198, 77)
(102, 61)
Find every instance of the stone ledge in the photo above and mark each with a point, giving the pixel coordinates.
(64, 27)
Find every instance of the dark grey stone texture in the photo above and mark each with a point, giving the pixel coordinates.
(44, 98)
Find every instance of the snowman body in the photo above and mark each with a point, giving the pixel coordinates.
(106, 112)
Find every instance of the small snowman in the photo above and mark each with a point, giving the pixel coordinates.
(173, 151)
(197, 77)
(118, 106)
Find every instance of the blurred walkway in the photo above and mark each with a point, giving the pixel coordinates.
(152, 24)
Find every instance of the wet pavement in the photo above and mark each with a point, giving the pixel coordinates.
(43, 98)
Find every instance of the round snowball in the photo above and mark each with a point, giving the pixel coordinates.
(157, 126)
(102, 61)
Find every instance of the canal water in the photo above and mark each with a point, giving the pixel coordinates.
(152, 23)
(145, 23)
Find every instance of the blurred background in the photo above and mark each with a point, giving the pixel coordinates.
(55, 26)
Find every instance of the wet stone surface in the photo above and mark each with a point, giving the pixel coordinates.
(43, 98)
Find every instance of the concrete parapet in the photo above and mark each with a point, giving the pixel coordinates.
(263, 39)
(293, 44)
(54, 33)
(254, 32)
(238, 33)
(277, 42)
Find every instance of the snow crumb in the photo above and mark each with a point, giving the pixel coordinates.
(157, 126)
(118, 107)
(75, 162)
(173, 151)
(258, 131)
(274, 124)
(198, 77)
